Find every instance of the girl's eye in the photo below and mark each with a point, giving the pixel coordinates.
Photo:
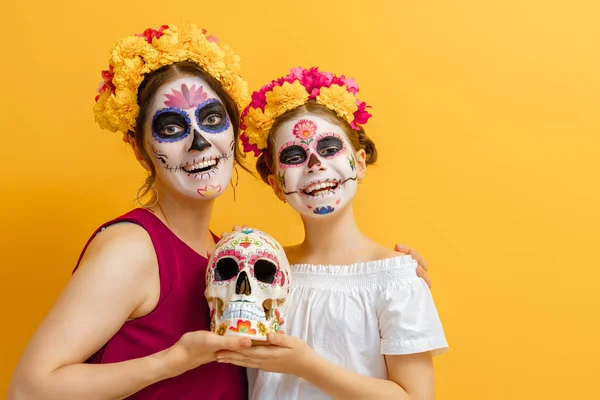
(293, 155)
(329, 146)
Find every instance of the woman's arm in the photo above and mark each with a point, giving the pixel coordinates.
(422, 267)
(117, 279)
(410, 376)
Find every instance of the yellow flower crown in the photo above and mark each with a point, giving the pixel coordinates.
(133, 57)
(337, 93)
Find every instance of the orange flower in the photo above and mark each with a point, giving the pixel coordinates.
(243, 327)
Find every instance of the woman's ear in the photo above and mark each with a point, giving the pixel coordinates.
(274, 182)
(361, 164)
(138, 154)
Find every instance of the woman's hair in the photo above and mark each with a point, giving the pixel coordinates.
(148, 89)
(358, 138)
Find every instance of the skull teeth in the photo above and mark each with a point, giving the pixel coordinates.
(244, 311)
(244, 315)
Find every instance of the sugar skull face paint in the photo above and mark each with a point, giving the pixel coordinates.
(191, 138)
(315, 165)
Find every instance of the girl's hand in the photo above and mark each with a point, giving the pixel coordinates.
(283, 354)
(422, 268)
(234, 229)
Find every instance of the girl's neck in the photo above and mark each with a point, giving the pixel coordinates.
(187, 218)
(333, 239)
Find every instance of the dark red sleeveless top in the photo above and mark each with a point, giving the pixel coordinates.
(181, 308)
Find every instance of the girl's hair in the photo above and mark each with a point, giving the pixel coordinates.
(148, 89)
(358, 138)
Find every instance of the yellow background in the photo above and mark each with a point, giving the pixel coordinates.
(486, 120)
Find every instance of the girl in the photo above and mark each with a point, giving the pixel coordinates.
(133, 320)
(361, 324)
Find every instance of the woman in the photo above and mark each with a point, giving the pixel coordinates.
(133, 320)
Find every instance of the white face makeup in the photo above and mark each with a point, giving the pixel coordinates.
(316, 165)
(191, 138)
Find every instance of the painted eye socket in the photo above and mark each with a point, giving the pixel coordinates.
(329, 146)
(293, 155)
(226, 269)
(212, 116)
(265, 270)
(170, 126)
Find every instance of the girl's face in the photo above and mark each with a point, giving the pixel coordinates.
(190, 138)
(316, 167)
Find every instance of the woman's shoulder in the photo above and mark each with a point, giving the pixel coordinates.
(119, 245)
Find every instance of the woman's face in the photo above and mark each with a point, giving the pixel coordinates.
(190, 138)
(316, 166)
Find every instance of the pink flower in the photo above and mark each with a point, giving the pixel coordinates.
(313, 81)
(149, 34)
(212, 39)
(296, 73)
(361, 116)
(259, 100)
(250, 147)
(351, 85)
(106, 83)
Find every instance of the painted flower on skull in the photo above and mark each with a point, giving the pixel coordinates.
(262, 328)
(243, 327)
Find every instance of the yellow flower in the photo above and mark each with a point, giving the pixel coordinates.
(222, 329)
(285, 97)
(262, 329)
(100, 112)
(258, 125)
(133, 57)
(338, 99)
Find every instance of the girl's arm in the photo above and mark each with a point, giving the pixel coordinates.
(116, 280)
(410, 376)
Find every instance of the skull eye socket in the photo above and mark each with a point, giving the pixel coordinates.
(265, 271)
(226, 269)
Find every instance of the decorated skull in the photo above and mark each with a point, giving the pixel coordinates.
(247, 282)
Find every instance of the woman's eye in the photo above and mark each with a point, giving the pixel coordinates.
(172, 130)
(212, 119)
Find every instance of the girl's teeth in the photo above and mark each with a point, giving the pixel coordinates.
(319, 186)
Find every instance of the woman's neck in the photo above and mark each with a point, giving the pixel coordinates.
(333, 239)
(187, 218)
